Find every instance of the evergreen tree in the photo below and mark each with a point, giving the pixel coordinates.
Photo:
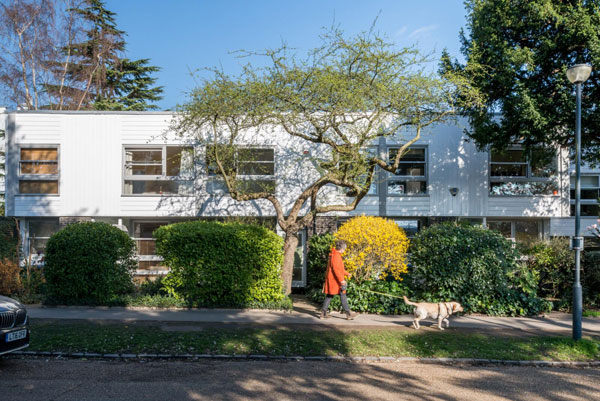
(517, 53)
(100, 78)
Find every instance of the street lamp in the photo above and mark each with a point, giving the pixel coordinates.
(578, 74)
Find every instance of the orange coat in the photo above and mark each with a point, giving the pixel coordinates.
(335, 273)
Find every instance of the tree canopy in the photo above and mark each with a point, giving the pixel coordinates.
(337, 101)
(70, 55)
(517, 53)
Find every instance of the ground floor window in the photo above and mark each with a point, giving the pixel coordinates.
(299, 272)
(146, 244)
(39, 232)
(518, 230)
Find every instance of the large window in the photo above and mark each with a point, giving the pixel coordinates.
(590, 193)
(38, 170)
(411, 176)
(162, 170)
(254, 167)
(523, 231)
(513, 172)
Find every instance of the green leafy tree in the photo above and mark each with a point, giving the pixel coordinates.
(101, 79)
(337, 101)
(517, 53)
(70, 55)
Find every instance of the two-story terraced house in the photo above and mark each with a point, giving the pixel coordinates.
(127, 169)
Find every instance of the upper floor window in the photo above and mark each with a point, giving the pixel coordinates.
(253, 167)
(590, 193)
(158, 170)
(38, 170)
(411, 176)
(514, 172)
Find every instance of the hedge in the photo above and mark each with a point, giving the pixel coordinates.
(475, 266)
(222, 264)
(89, 263)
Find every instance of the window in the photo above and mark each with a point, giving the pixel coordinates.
(254, 167)
(410, 227)
(146, 245)
(590, 192)
(519, 230)
(163, 170)
(299, 271)
(38, 170)
(512, 172)
(38, 234)
(411, 176)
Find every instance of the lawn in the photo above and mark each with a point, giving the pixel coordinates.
(161, 339)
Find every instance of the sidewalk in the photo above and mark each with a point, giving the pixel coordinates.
(305, 314)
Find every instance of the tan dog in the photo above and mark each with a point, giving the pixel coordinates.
(440, 311)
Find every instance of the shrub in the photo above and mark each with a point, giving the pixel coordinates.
(472, 265)
(89, 263)
(359, 299)
(221, 264)
(8, 238)
(552, 262)
(319, 247)
(10, 277)
(376, 247)
(591, 277)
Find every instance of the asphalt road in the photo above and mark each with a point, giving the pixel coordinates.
(51, 379)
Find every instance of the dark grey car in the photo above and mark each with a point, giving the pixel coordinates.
(14, 331)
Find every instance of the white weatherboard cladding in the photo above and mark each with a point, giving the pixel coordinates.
(566, 226)
(91, 173)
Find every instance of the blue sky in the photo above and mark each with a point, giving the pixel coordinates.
(180, 36)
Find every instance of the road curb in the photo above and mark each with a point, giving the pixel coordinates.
(352, 359)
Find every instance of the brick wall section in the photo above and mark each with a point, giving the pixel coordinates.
(324, 224)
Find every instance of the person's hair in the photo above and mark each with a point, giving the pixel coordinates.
(339, 244)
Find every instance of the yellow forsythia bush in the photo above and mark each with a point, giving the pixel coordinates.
(376, 247)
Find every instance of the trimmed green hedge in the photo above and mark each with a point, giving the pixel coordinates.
(222, 264)
(89, 263)
(475, 266)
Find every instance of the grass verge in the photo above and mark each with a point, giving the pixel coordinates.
(165, 301)
(591, 313)
(156, 338)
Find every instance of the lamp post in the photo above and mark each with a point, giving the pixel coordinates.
(578, 74)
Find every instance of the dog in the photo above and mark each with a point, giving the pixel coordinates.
(440, 311)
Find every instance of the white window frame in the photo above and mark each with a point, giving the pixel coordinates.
(513, 225)
(424, 177)
(163, 176)
(528, 178)
(584, 201)
(215, 179)
(39, 177)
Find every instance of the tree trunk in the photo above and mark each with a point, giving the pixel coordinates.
(289, 250)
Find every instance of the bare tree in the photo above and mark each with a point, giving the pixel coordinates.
(26, 31)
(338, 102)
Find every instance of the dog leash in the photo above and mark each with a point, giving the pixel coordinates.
(380, 293)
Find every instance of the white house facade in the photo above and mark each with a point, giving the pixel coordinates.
(128, 169)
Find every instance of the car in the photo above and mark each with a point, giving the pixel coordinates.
(14, 327)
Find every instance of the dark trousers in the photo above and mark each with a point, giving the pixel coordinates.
(343, 298)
